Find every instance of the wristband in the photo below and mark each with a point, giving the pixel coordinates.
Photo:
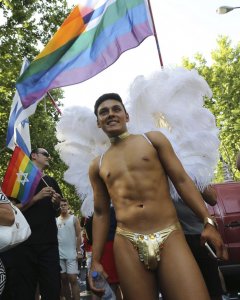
(210, 221)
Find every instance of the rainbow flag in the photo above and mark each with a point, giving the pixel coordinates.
(90, 39)
(21, 178)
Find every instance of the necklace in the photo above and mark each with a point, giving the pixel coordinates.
(62, 220)
(122, 136)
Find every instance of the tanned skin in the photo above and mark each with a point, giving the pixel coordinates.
(133, 175)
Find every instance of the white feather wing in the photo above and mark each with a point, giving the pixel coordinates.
(171, 101)
(80, 142)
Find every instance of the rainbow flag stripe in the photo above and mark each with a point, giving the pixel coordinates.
(90, 39)
(21, 178)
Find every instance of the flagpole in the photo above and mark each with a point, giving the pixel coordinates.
(155, 35)
(44, 181)
(54, 103)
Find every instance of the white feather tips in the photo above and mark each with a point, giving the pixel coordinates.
(170, 101)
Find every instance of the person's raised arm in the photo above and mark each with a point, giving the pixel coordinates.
(101, 219)
(187, 190)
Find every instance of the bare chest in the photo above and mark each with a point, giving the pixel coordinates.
(128, 160)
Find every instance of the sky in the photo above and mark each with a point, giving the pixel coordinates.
(183, 28)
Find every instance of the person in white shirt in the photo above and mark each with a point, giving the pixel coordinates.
(69, 239)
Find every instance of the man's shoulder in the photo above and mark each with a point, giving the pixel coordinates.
(49, 179)
(154, 133)
(156, 137)
(94, 164)
(74, 219)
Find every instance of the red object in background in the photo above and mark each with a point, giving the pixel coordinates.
(227, 214)
(108, 263)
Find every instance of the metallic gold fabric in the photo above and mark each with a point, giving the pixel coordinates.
(149, 245)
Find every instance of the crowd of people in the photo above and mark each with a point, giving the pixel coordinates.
(139, 238)
(46, 266)
(34, 264)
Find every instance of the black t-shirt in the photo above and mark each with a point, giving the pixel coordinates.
(41, 216)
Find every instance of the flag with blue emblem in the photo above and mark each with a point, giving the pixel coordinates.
(18, 124)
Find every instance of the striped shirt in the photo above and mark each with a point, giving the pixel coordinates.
(3, 198)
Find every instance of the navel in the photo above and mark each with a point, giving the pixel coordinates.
(140, 205)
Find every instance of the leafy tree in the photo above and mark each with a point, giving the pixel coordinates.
(28, 25)
(223, 78)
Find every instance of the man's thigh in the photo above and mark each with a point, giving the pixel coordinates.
(135, 280)
(72, 266)
(49, 272)
(63, 265)
(22, 275)
(179, 275)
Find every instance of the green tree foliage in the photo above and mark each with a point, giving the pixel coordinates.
(223, 78)
(27, 26)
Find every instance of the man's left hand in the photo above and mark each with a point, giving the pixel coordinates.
(56, 198)
(210, 234)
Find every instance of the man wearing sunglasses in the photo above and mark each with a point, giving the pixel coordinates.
(36, 261)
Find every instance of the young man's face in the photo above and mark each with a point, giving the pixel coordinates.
(63, 207)
(111, 117)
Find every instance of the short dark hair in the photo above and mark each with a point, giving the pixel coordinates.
(105, 97)
(35, 150)
(64, 200)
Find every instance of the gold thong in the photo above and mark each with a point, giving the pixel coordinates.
(149, 245)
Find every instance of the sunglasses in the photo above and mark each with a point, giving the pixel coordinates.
(46, 154)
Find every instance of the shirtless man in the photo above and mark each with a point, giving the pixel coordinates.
(150, 248)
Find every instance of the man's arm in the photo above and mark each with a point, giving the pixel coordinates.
(101, 218)
(45, 192)
(209, 195)
(6, 214)
(186, 189)
(51, 190)
(101, 211)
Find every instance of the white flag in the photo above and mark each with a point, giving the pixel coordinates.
(18, 124)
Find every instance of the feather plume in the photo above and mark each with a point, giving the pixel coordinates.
(170, 101)
(80, 142)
